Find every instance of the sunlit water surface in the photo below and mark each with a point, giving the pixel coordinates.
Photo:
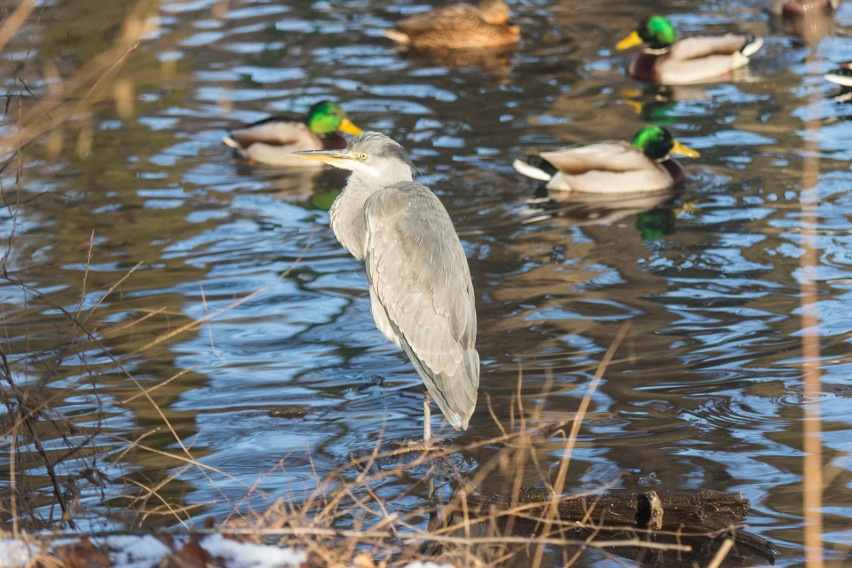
(706, 390)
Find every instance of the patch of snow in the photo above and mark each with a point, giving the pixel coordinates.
(14, 554)
(144, 551)
(246, 555)
(134, 551)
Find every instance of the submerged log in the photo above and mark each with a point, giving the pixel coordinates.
(703, 519)
(700, 510)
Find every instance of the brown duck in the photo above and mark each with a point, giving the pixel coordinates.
(457, 26)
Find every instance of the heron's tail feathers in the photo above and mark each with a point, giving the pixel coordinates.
(454, 393)
(463, 386)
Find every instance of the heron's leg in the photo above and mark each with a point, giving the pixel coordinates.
(427, 439)
(427, 418)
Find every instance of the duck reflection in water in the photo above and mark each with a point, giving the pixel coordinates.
(305, 187)
(810, 20)
(655, 103)
(655, 212)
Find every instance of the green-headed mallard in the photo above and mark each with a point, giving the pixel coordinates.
(612, 166)
(842, 75)
(801, 8)
(671, 61)
(457, 26)
(271, 140)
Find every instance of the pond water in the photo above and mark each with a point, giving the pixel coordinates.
(136, 218)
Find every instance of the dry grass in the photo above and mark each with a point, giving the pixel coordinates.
(343, 513)
(812, 423)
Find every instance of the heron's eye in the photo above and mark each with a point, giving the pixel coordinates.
(362, 156)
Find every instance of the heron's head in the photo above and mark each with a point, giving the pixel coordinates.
(656, 31)
(372, 155)
(656, 142)
(327, 117)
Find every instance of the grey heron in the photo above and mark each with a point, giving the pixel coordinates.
(421, 292)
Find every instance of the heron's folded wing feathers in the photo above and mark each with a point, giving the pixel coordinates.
(418, 272)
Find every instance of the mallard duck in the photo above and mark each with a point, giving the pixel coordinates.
(801, 8)
(842, 75)
(457, 26)
(271, 140)
(671, 61)
(612, 166)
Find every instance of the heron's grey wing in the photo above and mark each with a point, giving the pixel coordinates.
(419, 276)
(615, 156)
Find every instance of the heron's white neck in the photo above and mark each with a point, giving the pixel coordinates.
(347, 213)
(378, 177)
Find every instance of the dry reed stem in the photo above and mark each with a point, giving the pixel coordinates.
(389, 527)
(147, 391)
(811, 420)
(109, 290)
(14, 22)
(559, 485)
(53, 109)
(720, 555)
(188, 459)
(48, 113)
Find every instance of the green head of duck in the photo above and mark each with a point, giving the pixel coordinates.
(656, 142)
(326, 117)
(655, 31)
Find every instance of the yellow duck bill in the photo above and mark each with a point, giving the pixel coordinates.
(681, 150)
(630, 41)
(349, 127)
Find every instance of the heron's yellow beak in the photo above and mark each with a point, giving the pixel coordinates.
(630, 41)
(682, 150)
(337, 158)
(349, 127)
